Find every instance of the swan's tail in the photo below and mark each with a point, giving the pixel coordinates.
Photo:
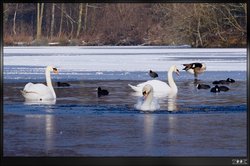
(135, 88)
(22, 92)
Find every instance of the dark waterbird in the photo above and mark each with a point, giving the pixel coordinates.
(203, 86)
(223, 88)
(153, 74)
(215, 89)
(102, 92)
(61, 84)
(230, 80)
(227, 81)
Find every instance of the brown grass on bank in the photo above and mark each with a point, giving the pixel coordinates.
(20, 39)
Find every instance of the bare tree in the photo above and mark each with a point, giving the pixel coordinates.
(40, 8)
(79, 20)
(14, 20)
(86, 18)
(52, 21)
(196, 24)
(5, 12)
(61, 20)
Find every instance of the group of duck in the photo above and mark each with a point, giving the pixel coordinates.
(217, 88)
(42, 92)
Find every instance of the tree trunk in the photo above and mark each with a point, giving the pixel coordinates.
(61, 21)
(14, 20)
(197, 15)
(245, 9)
(72, 29)
(39, 20)
(52, 20)
(79, 21)
(5, 12)
(199, 33)
(86, 18)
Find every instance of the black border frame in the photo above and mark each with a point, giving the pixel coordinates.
(120, 161)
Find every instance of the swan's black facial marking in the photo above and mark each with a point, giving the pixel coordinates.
(55, 70)
(177, 72)
(145, 93)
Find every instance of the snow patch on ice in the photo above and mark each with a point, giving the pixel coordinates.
(127, 59)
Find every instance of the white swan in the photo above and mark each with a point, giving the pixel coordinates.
(147, 103)
(161, 88)
(40, 92)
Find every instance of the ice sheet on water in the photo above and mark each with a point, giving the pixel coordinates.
(72, 50)
(33, 74)
(114, 62)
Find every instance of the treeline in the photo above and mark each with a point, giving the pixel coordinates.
(194, 24)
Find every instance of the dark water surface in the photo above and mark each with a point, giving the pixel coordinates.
(201, 123)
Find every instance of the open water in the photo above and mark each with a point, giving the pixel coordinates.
(194, 123)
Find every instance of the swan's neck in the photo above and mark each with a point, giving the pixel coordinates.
(148, 100)
(171, 81)
(49, 84)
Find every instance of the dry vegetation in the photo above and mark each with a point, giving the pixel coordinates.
(197, 25)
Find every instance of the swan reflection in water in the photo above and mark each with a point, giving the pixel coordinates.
(172, 103)
(169, 102)
(44, 124)
(149, 125)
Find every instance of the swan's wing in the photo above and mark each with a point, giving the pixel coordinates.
(135, 88)
(30, 95)
(157, 83)
(27, 86)
(36, 88)
(138, 87)
(150, 82)
(158, 86)
(141, 85)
